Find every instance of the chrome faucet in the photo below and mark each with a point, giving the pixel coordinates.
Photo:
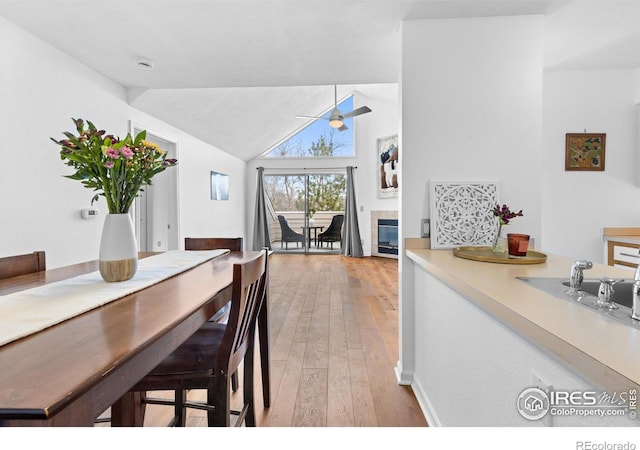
(635, 291)
(605, 293)
(576, 277)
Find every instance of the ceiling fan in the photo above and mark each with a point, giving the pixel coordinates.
(336, 119)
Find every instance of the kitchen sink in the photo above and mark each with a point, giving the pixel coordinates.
(622, 297)
(621, 290)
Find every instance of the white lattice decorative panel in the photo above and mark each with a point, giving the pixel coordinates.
(461, 213)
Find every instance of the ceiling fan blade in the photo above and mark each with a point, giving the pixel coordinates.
(343, 127)
(357, 112)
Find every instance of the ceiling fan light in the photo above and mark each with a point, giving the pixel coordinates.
(335, 119)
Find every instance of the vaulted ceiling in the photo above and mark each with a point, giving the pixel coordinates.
(235, 73)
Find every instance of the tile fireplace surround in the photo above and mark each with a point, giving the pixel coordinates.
(375, 215)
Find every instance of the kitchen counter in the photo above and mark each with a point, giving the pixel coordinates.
(621, 247)
(602, 350)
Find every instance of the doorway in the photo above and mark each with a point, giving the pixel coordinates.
(308, 211)
(156, 207)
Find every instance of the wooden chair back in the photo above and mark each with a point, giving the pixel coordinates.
(233, 244)
(13, 266)
(249, 284)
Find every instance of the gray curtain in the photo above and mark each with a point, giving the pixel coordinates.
(351, 244)
(261, 222)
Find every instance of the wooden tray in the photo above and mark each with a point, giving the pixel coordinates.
(485, 254)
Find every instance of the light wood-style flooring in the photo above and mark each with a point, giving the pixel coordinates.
(334, 338)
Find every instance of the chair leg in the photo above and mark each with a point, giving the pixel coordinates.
(219, 396)
(179, 410)
(263, 341)
(250, 418)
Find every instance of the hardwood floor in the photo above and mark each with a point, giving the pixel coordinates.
(334, 337)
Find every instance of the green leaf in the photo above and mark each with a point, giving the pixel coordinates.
(140, 137)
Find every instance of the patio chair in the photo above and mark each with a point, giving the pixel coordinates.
(288, 235)
(333, 233)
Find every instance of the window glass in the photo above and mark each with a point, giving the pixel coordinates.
(318, 139)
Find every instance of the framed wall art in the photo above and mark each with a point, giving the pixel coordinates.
(388, 156)
(585, 151)
(219, 186)
(462, 212)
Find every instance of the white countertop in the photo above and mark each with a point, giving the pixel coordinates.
(604, 351)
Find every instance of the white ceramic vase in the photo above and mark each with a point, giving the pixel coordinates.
(118, 259)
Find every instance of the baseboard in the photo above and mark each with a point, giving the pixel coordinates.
(403, 378)
(425, 405)
(407, 379)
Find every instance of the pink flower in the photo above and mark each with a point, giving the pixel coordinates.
(127, 152)
(112, 153)
(109, 164)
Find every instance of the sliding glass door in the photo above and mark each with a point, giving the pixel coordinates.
(308, 211)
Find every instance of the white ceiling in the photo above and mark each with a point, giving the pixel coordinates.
(235, 73)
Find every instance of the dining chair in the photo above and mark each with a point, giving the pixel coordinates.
(220, 350)
(214, 243)
(13, 266)
(236, 244)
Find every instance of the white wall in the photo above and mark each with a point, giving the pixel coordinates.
(381, 122)
(199, 215)
(41, 89)
(471, 109)
(471, 102)
(577, 205)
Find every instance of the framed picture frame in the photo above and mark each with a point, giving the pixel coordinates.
(388, 157)
(462, 212)
(585, 151)
(219, 186)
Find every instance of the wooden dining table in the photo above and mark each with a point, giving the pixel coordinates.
(70, 373)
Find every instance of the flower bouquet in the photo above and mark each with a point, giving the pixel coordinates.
(505, 216)
(117, 169)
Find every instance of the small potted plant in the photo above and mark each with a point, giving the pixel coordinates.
(504, 216)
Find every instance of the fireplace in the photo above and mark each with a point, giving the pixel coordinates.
(388, 236)
(384, 234)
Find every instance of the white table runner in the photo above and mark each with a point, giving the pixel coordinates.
(27, 312)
